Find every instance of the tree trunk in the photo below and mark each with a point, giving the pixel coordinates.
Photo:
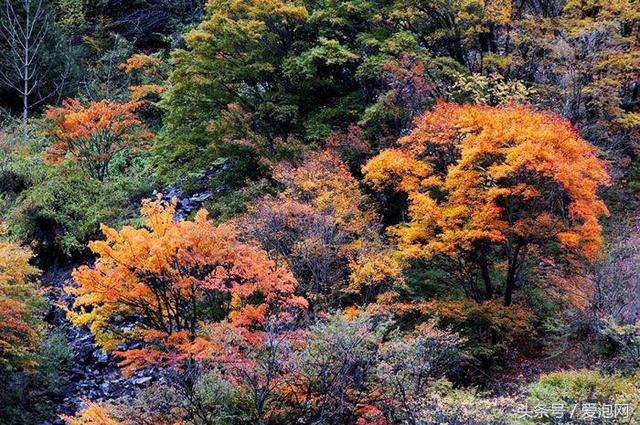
(26, 76)
(25, 118)
(509, 287)
(511, 276)
(486, 277)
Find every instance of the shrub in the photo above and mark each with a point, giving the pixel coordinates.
(585, 390)
(490, 328)
(448, 405)
(20, 328)
(30, 365)
(408, 366)
(63, 210)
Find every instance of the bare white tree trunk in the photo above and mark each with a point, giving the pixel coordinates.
(24, 27)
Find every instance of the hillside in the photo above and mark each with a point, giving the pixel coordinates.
(358, 212)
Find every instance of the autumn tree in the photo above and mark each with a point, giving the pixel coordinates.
(616, 277)
(489, 186)
(335, 367)
(19, 327)
(161, 282)
(586, 61)
(301, 69)
(146, 75)
(408, 366)
(325, 228)
(94, 135)
(295, 374)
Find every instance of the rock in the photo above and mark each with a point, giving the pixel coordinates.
(94, 375)
(101, 358)
(143, 380)
(200, 197)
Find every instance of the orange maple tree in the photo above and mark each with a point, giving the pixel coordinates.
(93, 135)
(489, 186)
(161, 283)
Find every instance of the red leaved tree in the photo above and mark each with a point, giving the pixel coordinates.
(94, 135)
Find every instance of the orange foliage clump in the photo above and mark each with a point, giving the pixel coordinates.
(148, 64)
(17, 336)
(93, 135)
(160, 283)
(490, 318)
(324, 182)
(148, 73)
(145, 90)
(118, 414)
(488, 185)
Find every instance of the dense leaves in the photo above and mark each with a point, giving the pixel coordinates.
(488, 184)
(379, 212)
(166, 279)
(94, 135)
(325, 228)
(19, 328)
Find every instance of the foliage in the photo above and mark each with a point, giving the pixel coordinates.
(93, 414)
(325, 228)
(28, 396)
(488, 186)
(146, 75)
(410, 89)
(236, 50)
(616, 280)
(446, 404)
(490, 90)
(62, 210)
(302, 70)
(595, 60)
(371, 249)
(583, 387)
(336, 363)
(165, 279)
(491, 329)
(408, 366)
(19, 301)
(30, 363)
(623, 345)
(94, 135)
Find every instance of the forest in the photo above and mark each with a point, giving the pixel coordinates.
(319, 212)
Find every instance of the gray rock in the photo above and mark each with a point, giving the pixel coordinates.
(143, 380)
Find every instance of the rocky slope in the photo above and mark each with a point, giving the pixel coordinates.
(92, 375)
